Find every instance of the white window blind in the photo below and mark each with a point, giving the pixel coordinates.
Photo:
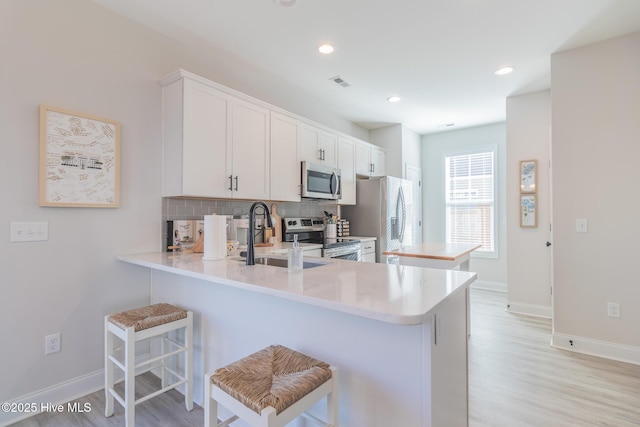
(470, 200)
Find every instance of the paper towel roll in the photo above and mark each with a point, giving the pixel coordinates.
(215, 237)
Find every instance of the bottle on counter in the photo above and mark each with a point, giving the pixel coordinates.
(295, 257)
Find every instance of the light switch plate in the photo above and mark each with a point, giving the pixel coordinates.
(29, 231)
(582, 225)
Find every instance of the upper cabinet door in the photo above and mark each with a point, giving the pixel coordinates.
(250, 151)
(285, 163)
(310, 144)
(370, 160)
(363, 165)
(319, 146)
(196, 138)
(377, 161)
(329, 147)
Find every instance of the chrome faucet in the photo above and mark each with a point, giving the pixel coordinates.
(251, 258)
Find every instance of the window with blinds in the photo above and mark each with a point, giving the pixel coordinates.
(470, 200)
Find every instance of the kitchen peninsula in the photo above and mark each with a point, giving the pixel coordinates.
(397, 333)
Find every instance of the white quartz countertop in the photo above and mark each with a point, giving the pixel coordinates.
(390, 293)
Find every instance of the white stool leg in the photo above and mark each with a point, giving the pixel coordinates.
(210, 405)
(333, 415)
(188, 362)
(163, 361)
(267, 417)
(130, 377)
(108, 369)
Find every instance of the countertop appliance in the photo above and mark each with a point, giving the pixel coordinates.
(384, 211)
(320, 182)
(311, 230)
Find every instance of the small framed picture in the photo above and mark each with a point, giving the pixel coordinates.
(528, 176)
(528, 210)
(79, 159)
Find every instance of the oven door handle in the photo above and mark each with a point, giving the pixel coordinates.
(344, 250)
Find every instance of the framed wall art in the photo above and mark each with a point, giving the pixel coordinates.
(79, 160)
(528, 210)
(528, 176)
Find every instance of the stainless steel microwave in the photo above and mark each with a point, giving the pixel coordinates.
(320, 182)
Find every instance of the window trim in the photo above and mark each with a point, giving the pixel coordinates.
(470, 151)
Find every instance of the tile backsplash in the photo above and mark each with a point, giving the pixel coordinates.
(181, 208)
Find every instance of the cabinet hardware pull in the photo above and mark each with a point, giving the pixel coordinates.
(230, 182)
(236, 182)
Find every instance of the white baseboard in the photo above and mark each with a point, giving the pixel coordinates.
(54, 395)
(59, 394)
(529, 309)
(608, 350)
(489, 286)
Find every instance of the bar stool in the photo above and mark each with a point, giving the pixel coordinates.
(153, 321)
(270, 388)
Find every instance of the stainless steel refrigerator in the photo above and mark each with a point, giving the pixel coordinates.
(383, 210)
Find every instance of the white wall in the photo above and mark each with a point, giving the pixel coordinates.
(411, 148)
(529, 263)
(402, 146)
(492, 273)
(596, 151)
(77, 55)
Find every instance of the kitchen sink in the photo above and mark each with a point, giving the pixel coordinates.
(283, 262)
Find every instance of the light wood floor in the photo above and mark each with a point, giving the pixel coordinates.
(515, 380)
(165, 410)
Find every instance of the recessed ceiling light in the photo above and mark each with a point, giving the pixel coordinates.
(326, 48)
(286, 3)
(504, 70)
(394, 99)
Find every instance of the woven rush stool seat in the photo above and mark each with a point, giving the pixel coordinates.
(161, 321)
(271, 387)
(148, 317)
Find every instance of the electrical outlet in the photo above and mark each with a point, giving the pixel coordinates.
(613, 309)
(52, 343)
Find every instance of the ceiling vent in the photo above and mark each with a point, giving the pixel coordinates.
(338, 80)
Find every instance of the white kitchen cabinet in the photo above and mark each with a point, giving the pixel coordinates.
(250, 151)
(367, 247)
(377, 157)
(370, 160)
(196, 133)
(368, 250)
(285, 163)
(347, 165)
(319, 146)
(215, 144)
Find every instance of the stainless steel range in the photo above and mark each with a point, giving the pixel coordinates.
(311, 230)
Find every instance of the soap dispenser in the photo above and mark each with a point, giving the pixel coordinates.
(294, 259)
